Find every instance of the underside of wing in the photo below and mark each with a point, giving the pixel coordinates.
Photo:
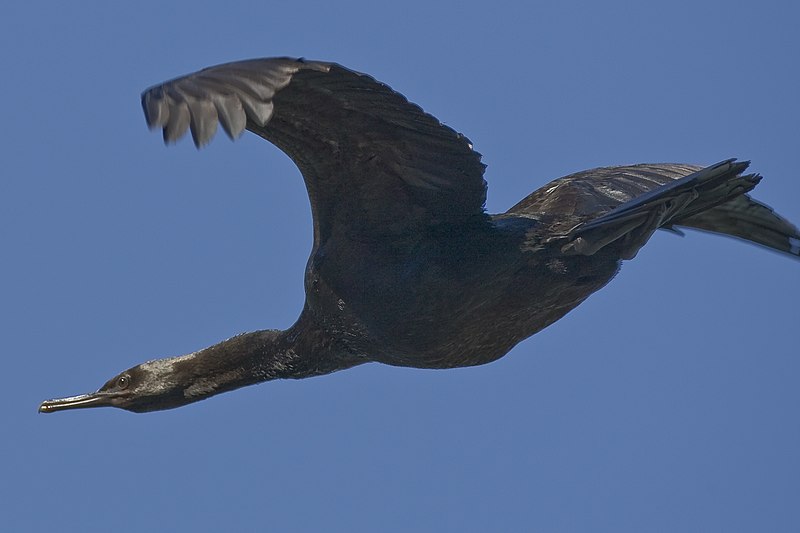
(374, 164)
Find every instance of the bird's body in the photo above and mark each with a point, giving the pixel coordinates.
(465, 301)
(407, 269)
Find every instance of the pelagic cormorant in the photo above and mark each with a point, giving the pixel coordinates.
(407, 268)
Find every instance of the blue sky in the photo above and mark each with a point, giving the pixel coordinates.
(667, 402)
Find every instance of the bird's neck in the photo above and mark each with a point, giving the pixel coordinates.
(260, 356)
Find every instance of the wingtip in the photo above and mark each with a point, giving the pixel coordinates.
(201, 141)
(739, 166)
(156, 112)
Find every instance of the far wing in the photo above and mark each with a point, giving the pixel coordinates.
(605, 197)
(591, 193)
(375, 165)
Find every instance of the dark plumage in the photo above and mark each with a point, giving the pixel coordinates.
(407, 269)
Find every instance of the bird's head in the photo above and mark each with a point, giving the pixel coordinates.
(151, 386)
(175, 381)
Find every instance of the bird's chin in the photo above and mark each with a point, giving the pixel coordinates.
(94, 399)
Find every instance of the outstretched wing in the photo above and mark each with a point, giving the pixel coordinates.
(605, 200)
(374, 164)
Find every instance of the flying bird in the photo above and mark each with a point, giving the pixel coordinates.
(407, 268)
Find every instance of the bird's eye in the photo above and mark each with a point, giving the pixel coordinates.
(123, 382)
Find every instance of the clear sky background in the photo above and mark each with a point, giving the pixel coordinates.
(667, 402)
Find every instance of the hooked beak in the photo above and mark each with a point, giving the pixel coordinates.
(94, 399)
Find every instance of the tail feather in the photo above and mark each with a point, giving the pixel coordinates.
(749, 220)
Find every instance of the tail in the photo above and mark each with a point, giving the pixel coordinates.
(637, 200)
(747, 219)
